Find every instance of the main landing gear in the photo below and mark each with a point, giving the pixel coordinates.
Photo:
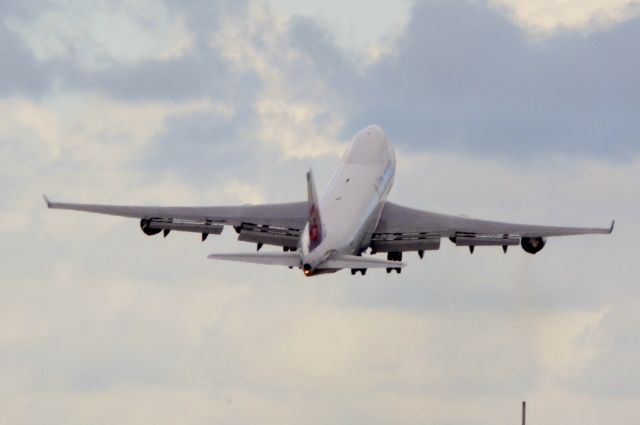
(354, 271)
(394, 256)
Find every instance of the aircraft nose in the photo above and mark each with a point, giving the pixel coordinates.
(375, 129)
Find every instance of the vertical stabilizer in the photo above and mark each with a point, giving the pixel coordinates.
(315, 223)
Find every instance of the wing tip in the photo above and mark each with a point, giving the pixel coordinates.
(47, 201)
(613, 224)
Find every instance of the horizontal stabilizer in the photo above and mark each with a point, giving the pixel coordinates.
(356, 262)
(289, 259)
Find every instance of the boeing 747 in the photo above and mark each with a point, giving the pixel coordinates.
(353, 216)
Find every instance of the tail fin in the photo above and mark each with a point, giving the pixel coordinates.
(315, 223)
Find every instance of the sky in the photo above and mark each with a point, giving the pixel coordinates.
(514, 110)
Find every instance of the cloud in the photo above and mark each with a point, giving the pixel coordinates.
(294, 109)
(470, 81)
(610, 370)
(98, 35)
(547, 16)
(137, 329)
(572, 93)
(21, 73)
(354, 27)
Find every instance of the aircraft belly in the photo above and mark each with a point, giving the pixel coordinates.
(352, 205)
(350, 225)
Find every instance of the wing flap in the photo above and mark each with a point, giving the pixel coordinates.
(404, 242)
(195, 226)
(287, 238)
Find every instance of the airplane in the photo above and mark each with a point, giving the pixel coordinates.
(331, 233)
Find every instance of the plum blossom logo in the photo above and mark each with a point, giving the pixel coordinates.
(314, 227)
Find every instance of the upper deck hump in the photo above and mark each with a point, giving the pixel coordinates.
(369, 146)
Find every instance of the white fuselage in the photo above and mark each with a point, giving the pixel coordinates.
(351, 205)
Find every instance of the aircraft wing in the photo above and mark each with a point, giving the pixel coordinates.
(275, 224)
(407, 229)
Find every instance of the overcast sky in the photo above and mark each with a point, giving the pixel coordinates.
(516, 110)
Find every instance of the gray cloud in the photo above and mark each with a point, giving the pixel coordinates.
(95, 314)
(464, 78)
(204, 141)
(198, 75)
(21, 73)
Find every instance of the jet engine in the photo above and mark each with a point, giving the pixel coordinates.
(533, 245)
(145, 225)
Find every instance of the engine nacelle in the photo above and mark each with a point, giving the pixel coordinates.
(533, 245)
(147, 229)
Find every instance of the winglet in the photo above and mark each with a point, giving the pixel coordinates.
(47, 201)
(613, 223)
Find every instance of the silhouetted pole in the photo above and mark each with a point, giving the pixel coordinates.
(524, 413)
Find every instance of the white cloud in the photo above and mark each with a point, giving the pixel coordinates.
(91, 141)
(146, 330)
(296, 116)
(83, 125)
(548, 15)
(98, 34)
(122, 321)
(355, 24)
